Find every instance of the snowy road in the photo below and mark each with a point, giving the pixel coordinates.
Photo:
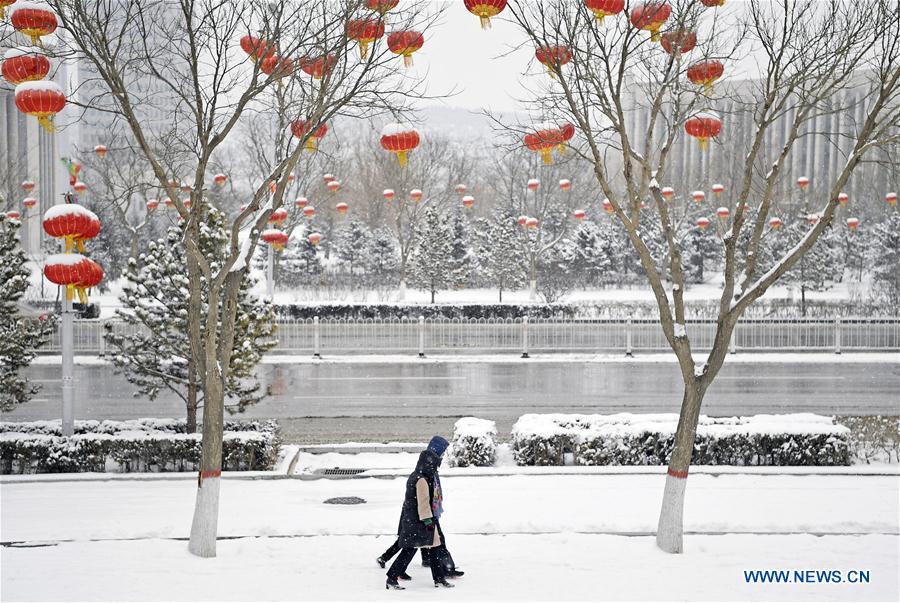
(518, 537)
(375, 401)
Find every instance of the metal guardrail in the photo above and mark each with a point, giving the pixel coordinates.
(424, 336)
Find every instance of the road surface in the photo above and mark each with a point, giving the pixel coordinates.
(342, 402)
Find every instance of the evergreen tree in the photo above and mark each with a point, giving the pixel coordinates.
(383, 260)
(588, 254)
(352, 246)
(300, 263)
(502, 252)
(885, 259)
(19, 336)
(463, 265)
(432, 266)
(555, 276)
(153, 351)
(819, 268)
(700, 249)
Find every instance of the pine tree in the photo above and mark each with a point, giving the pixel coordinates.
(300, 263)
(19, 336)
(463, 266)
(700, 249)
(588, 254)
(153, 350)
(885, 259)
(819, 268)
(503, 252)
(383, 260)
(432, 264)
(352, 245)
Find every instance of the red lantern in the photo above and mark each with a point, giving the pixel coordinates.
(891, 199)
(291, 178)
(170, 203)
(309, 211)
(186, 202)
(543, 139)
(74, 272)
(468, 201)
(100, 151)
(604, 8)
(301, 128)
(187, 189)
(34, 20)
(276, 66)
(650, 17)
(843, 198)
(152, 204)
(699, 196)
(3, 5)
(71, 222)
(723, 213)
(328, 178)
(522, 220)
(42, 100)
(388, 193)
(27, 186)
(278, 216)
(667, 192)
(276, 238)
(703, 126)
(812, 219)
(566, 132)
(29, 202)
(702, 223)
(13, 214)
(24, 65)
(314, 238)
(712, 3)
(257, 48)
(852, 223)
(608, 206)
(679, 41)
(775, 223)
(553, 58)
(718, 189)
(565, 184)
(334, 186)
(485, 9)
(802, 182)
(533, 184)
(301, 202)
(273, 186)
(531, 223)
(405, 43)
(381, 6)
(342, 208)
(460, 189)
(220, 179)
(704, 73)
(399, 139)
(578, 214)
(318, 67)
(79, 187)
(416, 195)
(365, 31)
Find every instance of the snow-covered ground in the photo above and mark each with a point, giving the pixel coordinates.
(519, 537)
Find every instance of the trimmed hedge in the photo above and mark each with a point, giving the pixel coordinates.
(144, 445)
(474, 443)
(627, 439)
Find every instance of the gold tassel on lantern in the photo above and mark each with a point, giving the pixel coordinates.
(547, 155)
(407, 60)
(401, 157)
(311, 144)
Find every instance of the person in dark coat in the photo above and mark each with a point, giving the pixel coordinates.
(419, 515)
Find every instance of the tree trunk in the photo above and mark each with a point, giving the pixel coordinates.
(803, 300)
(206, 510)
(669, 533)
(501, 294)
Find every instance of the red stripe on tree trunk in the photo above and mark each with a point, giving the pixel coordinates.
(678, 474)
(216, 473)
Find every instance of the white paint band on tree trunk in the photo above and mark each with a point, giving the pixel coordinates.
(669, 532)
(206, 516)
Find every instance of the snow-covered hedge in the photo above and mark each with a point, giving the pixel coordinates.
(474, 443)
(142, 445)
(630, 439)
(874, 439)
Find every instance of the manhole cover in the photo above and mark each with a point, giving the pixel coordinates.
(339, 471)
(345, 500)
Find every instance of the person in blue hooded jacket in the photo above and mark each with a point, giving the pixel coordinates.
(419, 518)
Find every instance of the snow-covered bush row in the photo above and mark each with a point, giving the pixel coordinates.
(474, 443)
(630, 439)
(874, 438)
(110, 446)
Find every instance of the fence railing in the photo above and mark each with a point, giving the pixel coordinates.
(423, 336)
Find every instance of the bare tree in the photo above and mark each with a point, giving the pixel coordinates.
(187, 52)
(806, 54)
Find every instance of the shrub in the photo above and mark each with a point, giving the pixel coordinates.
(474, 443)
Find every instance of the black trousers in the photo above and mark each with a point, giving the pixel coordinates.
(442, 552)
(402, 562)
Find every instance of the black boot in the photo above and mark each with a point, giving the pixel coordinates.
(404, 576)
(443, 582)
(392, 583)
(455, 573)
(380, 561)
